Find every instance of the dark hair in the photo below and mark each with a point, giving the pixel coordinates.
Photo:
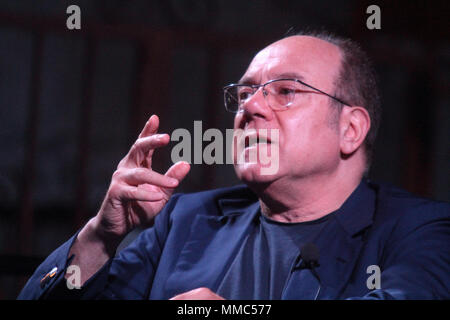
(356, 83)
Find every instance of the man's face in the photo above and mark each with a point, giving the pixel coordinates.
(308, 143)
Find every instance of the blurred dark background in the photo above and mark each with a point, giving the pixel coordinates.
(73, 101)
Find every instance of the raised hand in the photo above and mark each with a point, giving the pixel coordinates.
(137, 193)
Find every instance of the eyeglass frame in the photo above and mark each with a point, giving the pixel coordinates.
(257, 86)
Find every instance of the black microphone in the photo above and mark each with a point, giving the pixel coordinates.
(310, 255)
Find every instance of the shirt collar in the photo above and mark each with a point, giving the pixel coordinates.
(356, 213)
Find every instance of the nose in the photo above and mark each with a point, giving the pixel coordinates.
(256, 105)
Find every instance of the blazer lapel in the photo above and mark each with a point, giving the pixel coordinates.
(340, 252)
(339, 244)
(213, 242)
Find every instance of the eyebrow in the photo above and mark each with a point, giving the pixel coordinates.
(288, 75)
(284, 75)
(247, 80)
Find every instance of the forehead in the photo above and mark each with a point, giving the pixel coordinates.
(313, 60)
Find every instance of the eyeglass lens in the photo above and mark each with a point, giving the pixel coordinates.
(279, 94)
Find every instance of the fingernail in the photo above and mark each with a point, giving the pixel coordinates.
(185, 163)
(160, 136)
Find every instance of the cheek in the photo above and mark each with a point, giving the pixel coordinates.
(238, 121)
(309, 136)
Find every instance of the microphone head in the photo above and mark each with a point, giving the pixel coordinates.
(310, 253)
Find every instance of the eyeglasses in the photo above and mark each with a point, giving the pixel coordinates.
(279, 93)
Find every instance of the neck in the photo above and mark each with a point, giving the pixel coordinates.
(306, 199)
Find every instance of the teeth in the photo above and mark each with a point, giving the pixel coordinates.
(250, 141)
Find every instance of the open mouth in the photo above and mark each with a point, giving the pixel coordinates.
(257, 147)
(253, 141)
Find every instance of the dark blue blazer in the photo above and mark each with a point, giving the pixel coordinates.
(196, 237)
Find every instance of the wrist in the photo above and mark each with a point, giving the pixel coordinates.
(96, 234)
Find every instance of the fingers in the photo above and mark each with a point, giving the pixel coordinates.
(139, 176)
(143, 150)
(143, 184)
(178, 171)
(139, 193)
(139, 179)
(198, 294)
(151, 127)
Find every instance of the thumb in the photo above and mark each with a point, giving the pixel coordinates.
(179, 170)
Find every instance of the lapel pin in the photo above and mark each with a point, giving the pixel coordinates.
(48, 276)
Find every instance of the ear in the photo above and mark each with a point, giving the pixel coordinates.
(354, 125)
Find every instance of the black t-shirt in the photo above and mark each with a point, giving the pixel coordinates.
(262, 266)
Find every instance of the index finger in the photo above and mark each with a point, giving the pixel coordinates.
(142, 150)
(151, 126)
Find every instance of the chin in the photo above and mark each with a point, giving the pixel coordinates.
(255, 166)
(254, 173)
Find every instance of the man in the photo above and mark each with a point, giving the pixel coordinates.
(313, 229)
